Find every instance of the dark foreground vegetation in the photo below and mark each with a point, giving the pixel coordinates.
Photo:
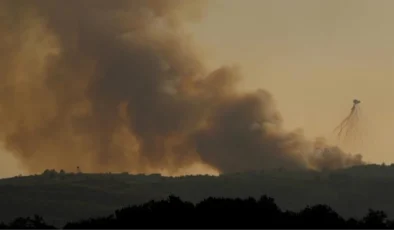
(61, 197)
(216, 213)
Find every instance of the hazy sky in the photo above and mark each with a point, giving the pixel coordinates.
(314, 56)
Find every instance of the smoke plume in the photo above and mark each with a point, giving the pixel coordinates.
(116, 86)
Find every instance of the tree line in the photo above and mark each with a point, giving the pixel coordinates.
(214, 213)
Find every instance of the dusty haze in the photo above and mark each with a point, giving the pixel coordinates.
(118, 86)
(315, 57)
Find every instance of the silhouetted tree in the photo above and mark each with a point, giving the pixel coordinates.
(320, 216)
(51, 173)
(375, 219)
(215, 213)
(37, 222)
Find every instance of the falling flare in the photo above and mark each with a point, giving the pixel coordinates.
(348, 130)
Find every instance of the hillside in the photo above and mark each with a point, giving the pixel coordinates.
(60, 197)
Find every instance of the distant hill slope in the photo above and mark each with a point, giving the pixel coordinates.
(61, 197)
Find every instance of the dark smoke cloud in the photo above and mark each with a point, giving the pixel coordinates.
(115, 86)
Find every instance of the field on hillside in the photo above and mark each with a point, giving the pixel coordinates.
(60, 197)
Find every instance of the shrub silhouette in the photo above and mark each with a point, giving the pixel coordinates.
(214, 213)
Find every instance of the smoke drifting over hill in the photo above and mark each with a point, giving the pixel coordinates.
(115, 86)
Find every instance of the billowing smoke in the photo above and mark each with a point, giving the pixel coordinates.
(116, 86)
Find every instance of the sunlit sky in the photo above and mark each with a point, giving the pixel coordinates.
(314, 56)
